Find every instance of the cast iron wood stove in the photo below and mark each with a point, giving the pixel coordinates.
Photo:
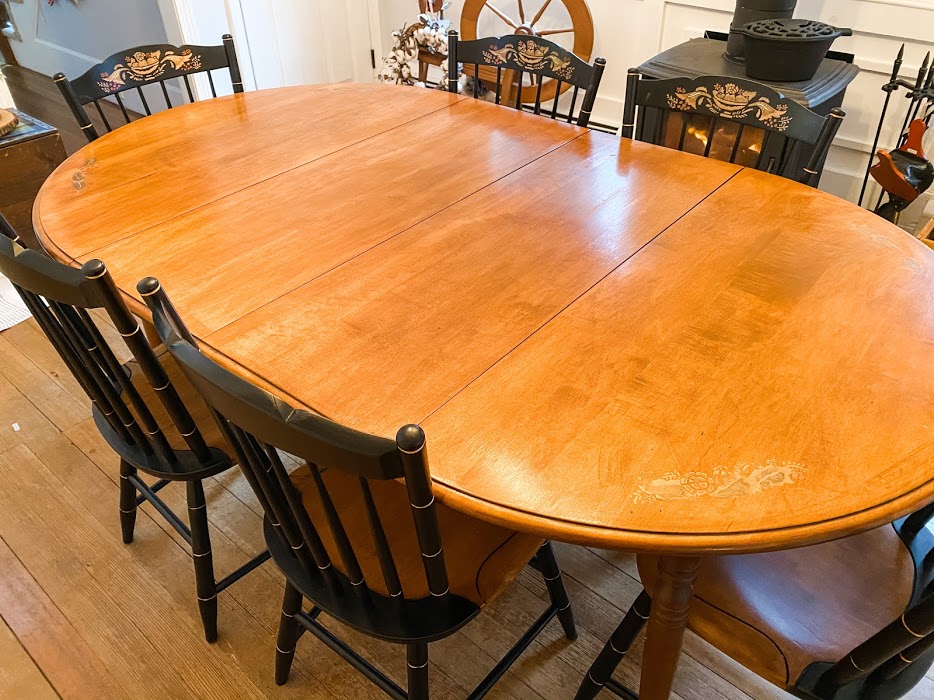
(713, 55)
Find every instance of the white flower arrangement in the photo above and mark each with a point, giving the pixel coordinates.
(429, 33)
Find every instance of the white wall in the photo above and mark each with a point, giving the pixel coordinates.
(284, 42)
(630, 31)
(69, 38)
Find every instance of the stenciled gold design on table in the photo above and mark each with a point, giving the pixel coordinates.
(721, 482)
(732, 102)
(531, 56)
(144, 66)
(78, 180)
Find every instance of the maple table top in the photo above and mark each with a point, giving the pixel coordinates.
(606, 342)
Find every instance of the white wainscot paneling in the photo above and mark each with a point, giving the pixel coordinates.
(684, 21)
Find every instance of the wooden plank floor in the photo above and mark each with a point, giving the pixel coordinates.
(84, 616)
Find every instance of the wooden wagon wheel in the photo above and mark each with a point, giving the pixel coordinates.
(529, 22)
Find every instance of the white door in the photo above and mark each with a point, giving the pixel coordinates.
(296, 42)
(71, 37)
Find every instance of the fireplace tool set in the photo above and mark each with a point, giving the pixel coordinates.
(904, 172)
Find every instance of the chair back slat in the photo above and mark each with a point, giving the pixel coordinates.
(791, 156)
(101, 353)
(554, 102)
(191, 95)
(684, 131)
(783, 159)
(103, 116)
(574, 95)
(661, 125)
(306, 526)
(518, 103)
(142, 99)
(102, 376)
(297, 514)
(276, 506)
(745, 103)
(336, 527)
(141, 66)
(320, 520)
(126, 115)
(386, 563)
(737, 140)
(711, 130)
(40, 312)
(99, 392)
(165, 95)
(518, 55)
(538, 97)
(762, 151)
(60, 298)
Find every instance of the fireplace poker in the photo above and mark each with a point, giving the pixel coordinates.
(915, 94)
(888, 88)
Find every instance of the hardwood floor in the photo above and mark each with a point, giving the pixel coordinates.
(82, 615)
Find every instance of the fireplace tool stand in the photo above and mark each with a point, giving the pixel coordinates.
(904, 172)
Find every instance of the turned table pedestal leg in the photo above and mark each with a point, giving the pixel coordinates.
(671, 601)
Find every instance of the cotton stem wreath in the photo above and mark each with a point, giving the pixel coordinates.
(429, 33)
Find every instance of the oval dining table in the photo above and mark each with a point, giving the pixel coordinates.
(607, 342)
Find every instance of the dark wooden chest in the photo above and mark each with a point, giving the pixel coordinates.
(28, 155)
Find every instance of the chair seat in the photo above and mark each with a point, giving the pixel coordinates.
(481, 558)
(776, 613)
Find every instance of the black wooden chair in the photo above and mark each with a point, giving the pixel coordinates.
(171, 438)
(730, 119)
(846, 620)
(517, 55)
(134, 69)
(357, 531)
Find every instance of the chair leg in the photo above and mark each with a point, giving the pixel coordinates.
(417, 660)
(559, 596)
(288, 632)
(204, 563)
(602, 668)
(127, 501)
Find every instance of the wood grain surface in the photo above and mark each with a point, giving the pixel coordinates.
(769, 349)
(607, 342)
(194, 155)
(316, 217)
(466, 286)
